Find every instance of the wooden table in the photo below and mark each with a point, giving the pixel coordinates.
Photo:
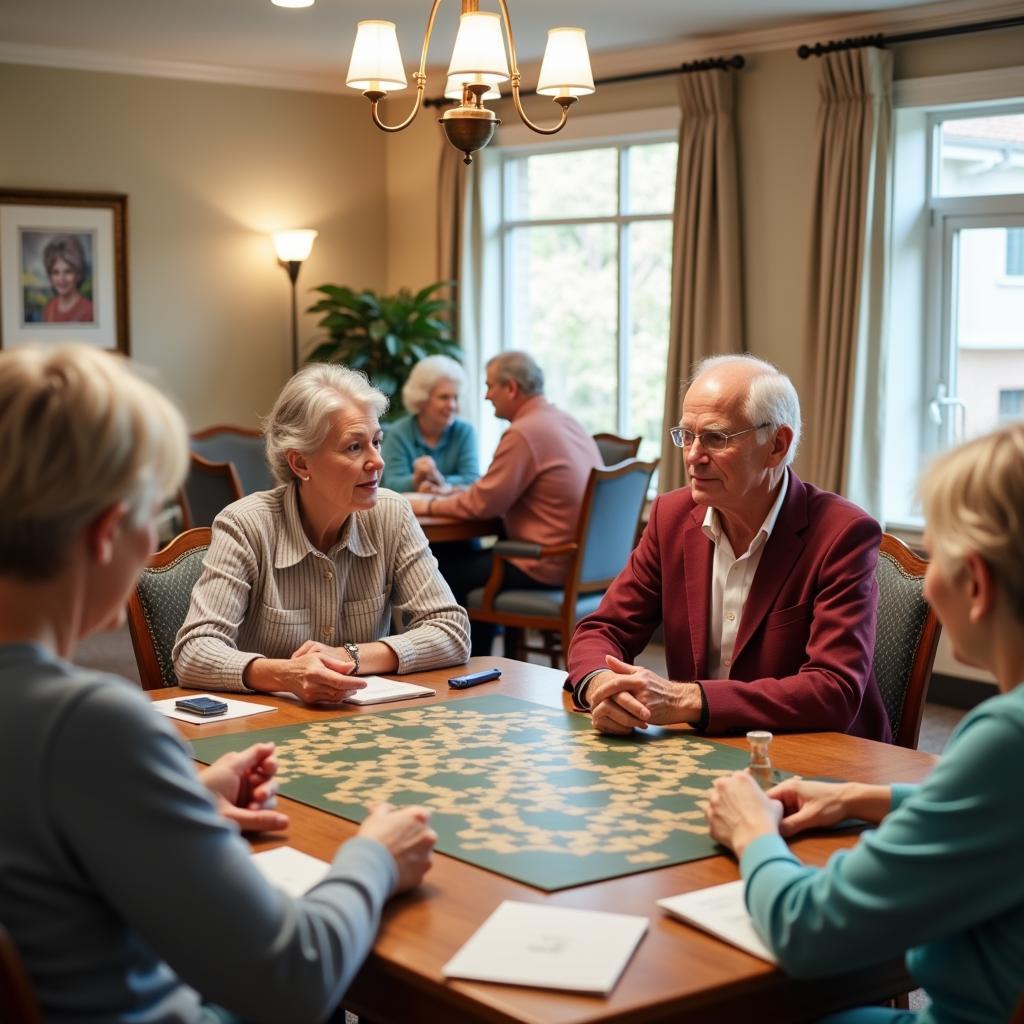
(445, 528)
(678, 974)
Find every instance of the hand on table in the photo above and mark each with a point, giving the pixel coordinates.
(807, 804)
(424, 470)
(738, 811)
(244, 788)
(408, 837)
(628, 697)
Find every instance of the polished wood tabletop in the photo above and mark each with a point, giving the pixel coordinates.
(445, 528)
(678, 973)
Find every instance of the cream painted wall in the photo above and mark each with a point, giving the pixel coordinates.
(209, 170)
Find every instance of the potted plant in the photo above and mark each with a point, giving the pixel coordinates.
(382, 335)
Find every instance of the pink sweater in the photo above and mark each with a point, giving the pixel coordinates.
(535, 482)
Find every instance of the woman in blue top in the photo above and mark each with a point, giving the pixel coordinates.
(940, 879)
(431, 449)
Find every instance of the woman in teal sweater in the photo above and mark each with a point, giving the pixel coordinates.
(431, 449)
(940, 879)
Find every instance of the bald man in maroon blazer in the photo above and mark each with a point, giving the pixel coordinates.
(765, 585)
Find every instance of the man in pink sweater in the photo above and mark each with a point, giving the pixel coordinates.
(535, 483)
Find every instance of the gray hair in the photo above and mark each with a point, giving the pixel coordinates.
(520, 367)
(82, 431)
(301, 417)
(771, 399)
(425, 376)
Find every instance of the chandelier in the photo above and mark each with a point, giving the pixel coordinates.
(477, 68)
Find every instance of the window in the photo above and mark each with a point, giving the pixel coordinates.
(956, 333)
(1011, 405)
(586, 243)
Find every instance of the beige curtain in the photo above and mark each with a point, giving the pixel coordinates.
(707, 317)
(451, 204)
(846, 314)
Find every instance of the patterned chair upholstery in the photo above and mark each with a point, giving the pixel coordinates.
(905, 639)
(243, 448)
(208, 488)
(612, 504)
(160, 602)
(614, 449)
(17, 1000)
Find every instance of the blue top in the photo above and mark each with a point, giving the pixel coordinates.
(940, 879)
(456, 454)
(97, 790)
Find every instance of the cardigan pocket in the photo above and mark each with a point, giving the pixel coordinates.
(787, 616)
(281, 631)
(361, 620)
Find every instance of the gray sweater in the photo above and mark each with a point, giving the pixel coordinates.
(128, 895)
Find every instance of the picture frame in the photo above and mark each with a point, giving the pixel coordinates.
(63, 268)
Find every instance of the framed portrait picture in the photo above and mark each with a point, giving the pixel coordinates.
(63, 268)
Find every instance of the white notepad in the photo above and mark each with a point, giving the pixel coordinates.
(236, 709)
(380, 690)
(549, 947)
(720, 911)
(291, 870)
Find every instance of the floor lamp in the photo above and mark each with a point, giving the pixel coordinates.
(293, 247)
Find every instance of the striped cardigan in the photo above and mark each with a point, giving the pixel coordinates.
(265, 590)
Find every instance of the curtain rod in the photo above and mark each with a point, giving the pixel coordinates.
(880, 39)
(711, 63)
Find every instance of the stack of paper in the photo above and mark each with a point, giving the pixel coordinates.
(380, 690)
(720, 911)
(549, 947)
(291, 870)
(236, 709)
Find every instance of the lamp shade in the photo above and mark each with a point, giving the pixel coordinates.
(479, 54)
(376, 64)
(565, 70)
(292, 3)
(294, 246)
(453, 91)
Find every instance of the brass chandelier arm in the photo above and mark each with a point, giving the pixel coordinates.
(420, 77)
(563, 102)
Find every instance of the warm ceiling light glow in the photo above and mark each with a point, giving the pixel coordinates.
(292, 3)
(479, 63)
(294, 246)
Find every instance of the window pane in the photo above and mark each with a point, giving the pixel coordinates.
(579, 183)
(982, 156)
(989, 330)
(652, 177)
(565, 312)
(650, 250)
(1015, 252)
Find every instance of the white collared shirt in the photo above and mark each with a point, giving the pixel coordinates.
(731, 579)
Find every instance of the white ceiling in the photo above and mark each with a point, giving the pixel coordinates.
(253, 36)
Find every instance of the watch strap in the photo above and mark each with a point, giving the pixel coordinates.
(353, 652)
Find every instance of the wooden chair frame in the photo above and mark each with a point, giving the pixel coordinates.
(18, 1001)
(924, 656)
(563, 625)
(197, 464)
(138, 624)
(224, 428)
(631, 444)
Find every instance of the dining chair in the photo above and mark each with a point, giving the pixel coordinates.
(906, 636)
(605, 536)
(208, 488)
(614, 449)
(242, 447)
(159, 603)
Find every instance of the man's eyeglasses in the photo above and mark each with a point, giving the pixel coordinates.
(710, 440)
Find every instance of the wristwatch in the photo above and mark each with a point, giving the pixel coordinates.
(353, 653)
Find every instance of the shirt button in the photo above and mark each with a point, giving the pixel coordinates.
(327, 632)
(727, 662)
(329, 575)
(731, 616)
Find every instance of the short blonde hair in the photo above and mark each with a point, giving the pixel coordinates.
(973, 499)
(80, 431)
(301, 417)
(424, 378)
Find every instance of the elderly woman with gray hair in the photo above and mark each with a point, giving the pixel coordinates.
(431, 450)
(300, 582)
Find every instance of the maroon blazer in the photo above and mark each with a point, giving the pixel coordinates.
(807, 633)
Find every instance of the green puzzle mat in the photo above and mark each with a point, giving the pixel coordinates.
(531, 792)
